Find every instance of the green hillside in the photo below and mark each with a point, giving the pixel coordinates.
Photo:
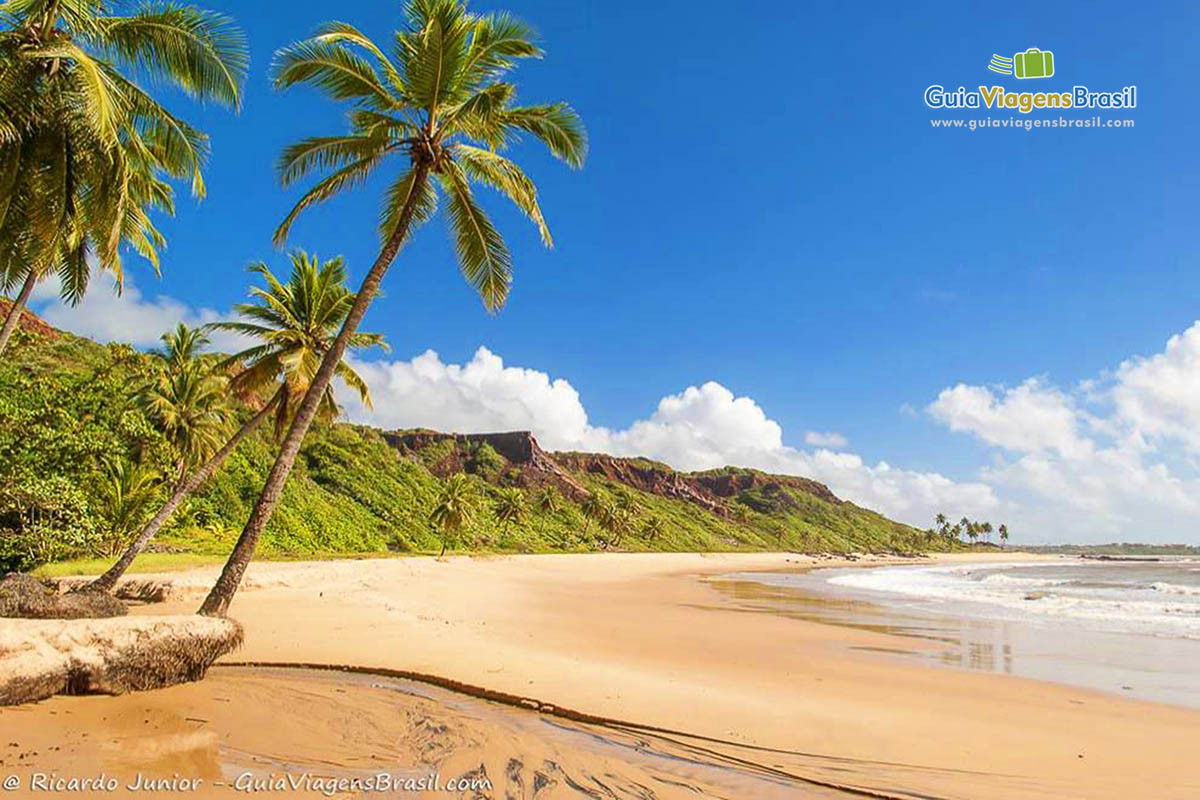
(68, 421)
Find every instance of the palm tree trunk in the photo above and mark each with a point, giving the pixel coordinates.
(218, 600)
(108, 580)
(15, 311)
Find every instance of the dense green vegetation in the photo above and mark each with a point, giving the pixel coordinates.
(67, 417)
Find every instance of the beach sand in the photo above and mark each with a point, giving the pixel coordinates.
(641, 638)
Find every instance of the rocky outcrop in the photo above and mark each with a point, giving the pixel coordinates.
(646, 476)
(29, 322)
(528, 465)
(531, 466)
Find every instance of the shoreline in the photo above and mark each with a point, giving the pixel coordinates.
(645, 637)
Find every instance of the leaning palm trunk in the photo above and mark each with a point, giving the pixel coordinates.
(218, 600)
(108, 580)
(15, 311)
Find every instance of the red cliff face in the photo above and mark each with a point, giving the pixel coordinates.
(528, 465)
(654, 479)
(29, 321)
(534, 466)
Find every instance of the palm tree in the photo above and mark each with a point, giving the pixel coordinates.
(593, 508)
(426, 108)
(510, 507)
(188, 401)
(627, 502)
(454, 509)
(1003, 534)
(547, 500)
(124, 496)
(85, 151)
(972, 530)
(293, 324)
(653, 527)
(986, 530)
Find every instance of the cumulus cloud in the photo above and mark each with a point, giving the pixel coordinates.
(1158, 398)
(1029, 418)
(1111, 458)
(129, 317)
(830, 439)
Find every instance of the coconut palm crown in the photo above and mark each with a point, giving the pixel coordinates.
(293, 323)
(438, 108)
(86, 151)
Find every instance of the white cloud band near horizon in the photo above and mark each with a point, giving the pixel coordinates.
(1113, 458)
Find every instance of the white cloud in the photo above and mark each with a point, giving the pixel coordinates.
(1111, 458)
(1158, 398)
(1029, 418)
(830, 439)
(128, 317)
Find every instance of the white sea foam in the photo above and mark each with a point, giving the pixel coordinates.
(1175, 588)
(1102, 596)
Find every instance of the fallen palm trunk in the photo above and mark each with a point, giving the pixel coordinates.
(26, 597)
(41, 658)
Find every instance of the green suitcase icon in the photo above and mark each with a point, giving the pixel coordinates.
(1034, 63)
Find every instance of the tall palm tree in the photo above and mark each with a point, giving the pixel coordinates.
(86, 152)
(1003, 534)
(439, 110)
(454, 509)
(293, 323)
(510, 507)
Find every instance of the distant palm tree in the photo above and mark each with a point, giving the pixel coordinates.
(454, 509)
(1003, 534)
(616, 521)
(85, 150)
(510, 507)
(653, 527)
(293, 323)
(439, 107)
(593, 508)
(986, 530)
(627, 502)
(548, 500)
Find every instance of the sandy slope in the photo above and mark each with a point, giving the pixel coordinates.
(643, 638)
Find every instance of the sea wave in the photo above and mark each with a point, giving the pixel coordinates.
(1175, 588)
(1103, 604)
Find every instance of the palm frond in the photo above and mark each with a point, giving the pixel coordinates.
(202, 52)
(557, 126)
(507, 178)
(483, 256)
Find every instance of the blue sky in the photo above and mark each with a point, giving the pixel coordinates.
(766, 206)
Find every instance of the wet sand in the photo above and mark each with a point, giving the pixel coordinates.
(646, 638)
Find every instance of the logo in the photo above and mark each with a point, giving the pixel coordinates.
(1033, 63)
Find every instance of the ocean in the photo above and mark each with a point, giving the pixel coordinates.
(1131, 627)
